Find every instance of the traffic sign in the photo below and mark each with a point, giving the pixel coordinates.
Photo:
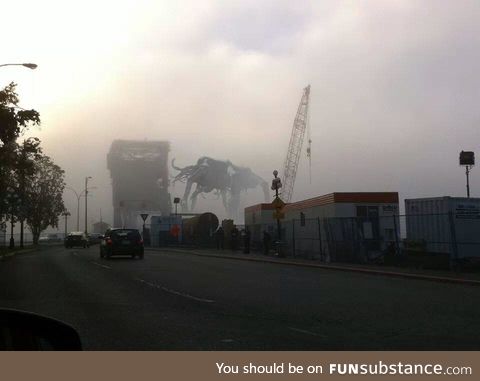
(144, 216)
(278, 203)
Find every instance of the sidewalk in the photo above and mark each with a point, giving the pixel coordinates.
(398, 272)
(7, 253)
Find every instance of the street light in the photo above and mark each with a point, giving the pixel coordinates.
(276, 185)
(66, 213)
(86, 201)
(22, 207)
(29, 65)
(176, 201)
(12, 200)
(79, 196)
(467, 159)
(78, 205)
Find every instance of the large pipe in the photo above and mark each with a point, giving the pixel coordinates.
(200, 230)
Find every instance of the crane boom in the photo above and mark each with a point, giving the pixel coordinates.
(295, 146)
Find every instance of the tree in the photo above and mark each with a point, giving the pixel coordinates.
(43, 196)
(14, 120)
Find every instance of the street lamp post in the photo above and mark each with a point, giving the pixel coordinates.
(12, 199)
(79, 196)
(12, 240)
(22, 217)
(176, 201)
(66, 213)
(276, 185)
(467, 159)
(78, 205)
(86, 202)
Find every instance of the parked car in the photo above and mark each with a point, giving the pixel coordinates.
(49, 238)
(43, 239)
(76, 239)
(122, 242)
(94, 238)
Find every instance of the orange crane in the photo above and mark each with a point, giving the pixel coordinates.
(295, 147)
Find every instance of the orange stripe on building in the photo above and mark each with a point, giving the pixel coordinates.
(257, 207)
(331, 198)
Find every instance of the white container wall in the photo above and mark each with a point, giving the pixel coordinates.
(447, 225)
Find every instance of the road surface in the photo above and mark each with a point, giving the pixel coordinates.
(174, 301)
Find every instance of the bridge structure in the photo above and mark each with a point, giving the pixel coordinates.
(139, 174)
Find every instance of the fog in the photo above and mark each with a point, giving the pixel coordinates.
(394, 88)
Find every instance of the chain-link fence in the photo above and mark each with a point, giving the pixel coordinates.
(439, 241)
(428, 240)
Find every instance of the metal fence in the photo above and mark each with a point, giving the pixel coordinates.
(175, 235)
(427, 240)
(437, 241)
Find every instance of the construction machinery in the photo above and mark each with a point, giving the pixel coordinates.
(295, 147)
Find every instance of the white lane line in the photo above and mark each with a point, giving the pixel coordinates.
(178, 293)
(305, 331)
(99, 264)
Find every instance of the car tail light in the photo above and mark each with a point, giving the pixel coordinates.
(109, 241)
(140, 241)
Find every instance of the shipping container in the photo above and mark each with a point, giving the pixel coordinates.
(165, 230)
(448, 225)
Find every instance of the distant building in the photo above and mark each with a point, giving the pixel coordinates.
(139, 172)
(336, 226)
(100, 227)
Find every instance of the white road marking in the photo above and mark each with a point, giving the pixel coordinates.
(99, 264)
(75, 253)
(305, 331)
(160, 287)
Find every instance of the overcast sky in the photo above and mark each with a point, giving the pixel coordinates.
(394, 95)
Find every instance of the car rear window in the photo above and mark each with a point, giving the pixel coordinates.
(125, 234)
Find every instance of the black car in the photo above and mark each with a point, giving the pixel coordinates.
(76, 239)
(122, 242)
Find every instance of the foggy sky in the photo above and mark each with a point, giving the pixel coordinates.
(394, 93)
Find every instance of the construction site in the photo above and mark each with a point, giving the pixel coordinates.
(354, 227)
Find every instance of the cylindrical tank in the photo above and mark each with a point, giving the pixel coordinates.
(200, 230)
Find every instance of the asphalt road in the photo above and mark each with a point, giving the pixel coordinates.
(173, 301)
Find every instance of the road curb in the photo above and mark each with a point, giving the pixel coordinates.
(19, 252)
(394, 274)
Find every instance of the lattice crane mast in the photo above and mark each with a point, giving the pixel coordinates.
(295, 146)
